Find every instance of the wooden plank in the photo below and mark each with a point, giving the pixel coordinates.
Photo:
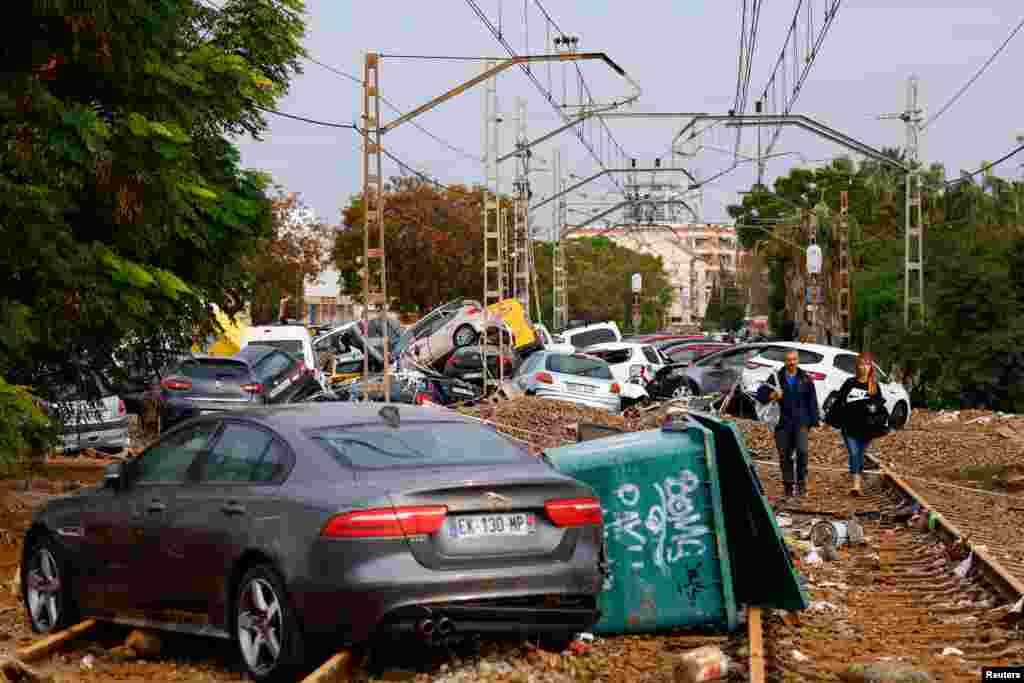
(41, 648)
(756, 645)
(337, 669)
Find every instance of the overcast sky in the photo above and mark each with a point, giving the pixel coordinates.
(683, 54)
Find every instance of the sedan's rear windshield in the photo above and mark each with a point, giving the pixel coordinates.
(214, 368)
(579, 366)
(420, 444)
(613, 357)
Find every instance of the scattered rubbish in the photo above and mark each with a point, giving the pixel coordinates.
(839, 585)
(822, 606)
(952, 652)
(829, 533)
(933, 521)
(981, 420)
(829, 552)
(953, 416)
(144, 643)
(578, 647)
(586, 637)
(15, 583)
(855, 532)
(706, 663)
(15, 670)
(1018, 607)
(88, 663)
(886, 669)
(964, 568)
(813, 557)
(791, 619)
(783, 520)
(800, 656)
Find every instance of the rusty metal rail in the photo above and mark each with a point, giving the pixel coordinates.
(1010, 586)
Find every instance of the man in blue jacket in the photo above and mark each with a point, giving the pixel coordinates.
(798, 415)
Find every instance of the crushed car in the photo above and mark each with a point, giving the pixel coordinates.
(87, 410)
(413, 387)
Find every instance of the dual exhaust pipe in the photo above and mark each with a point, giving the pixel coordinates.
(430, 630)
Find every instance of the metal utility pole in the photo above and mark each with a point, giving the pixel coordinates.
(843, 263)
(374, 261)
(521, 255)
(560, 308)
(913, 281)
(494, 267)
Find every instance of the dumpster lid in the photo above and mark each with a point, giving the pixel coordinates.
(763, 572)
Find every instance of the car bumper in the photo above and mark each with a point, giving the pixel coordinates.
(390, 592)
(106, 435)
(612, 403)
(175, 411)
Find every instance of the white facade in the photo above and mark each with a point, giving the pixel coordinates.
(693, 255)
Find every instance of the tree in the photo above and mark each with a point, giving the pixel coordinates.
(599, 286)
(725, 307)
(297, 251)
(121, 197)
(434, 244)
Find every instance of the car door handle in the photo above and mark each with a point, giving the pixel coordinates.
(232, 508)
(156, 506)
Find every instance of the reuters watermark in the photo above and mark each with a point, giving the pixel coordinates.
(1002, 673)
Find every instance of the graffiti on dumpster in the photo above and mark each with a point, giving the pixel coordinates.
(666, 532)
(694, 583)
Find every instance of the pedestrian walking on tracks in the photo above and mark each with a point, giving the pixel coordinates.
(798, 414)
(859, 413)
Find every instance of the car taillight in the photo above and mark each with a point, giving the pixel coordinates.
(176, 384)
(754, 365)
(545, 378)
(616, 388)
(422, 398)
(253, 388)
(574, 511)
(473, 310)
(121, 409)
(816, 376)
(386, 522)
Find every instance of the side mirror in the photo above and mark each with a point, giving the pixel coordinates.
(113, 474)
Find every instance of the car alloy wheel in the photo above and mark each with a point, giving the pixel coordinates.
(260, 626)
(44, 590)
(683, 391)
(464, 336)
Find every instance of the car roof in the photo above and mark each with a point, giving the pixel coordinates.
(617, 346)
(816, 348)
(278, 332)
(253, 353)
(294, 417)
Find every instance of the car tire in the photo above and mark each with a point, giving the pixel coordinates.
(465, 335)
(900, 415)
(265, 621)
(683, 390)
(47, 588)
(556, 642)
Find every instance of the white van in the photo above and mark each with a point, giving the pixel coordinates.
(295, 340)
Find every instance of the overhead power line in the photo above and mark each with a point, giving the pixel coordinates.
(959, 93)
(295, 117)
(1014, 152)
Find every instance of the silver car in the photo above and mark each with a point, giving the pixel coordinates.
(574, 377)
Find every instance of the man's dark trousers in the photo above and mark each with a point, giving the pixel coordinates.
(791, 441)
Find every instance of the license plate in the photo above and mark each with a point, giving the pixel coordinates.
(207, 412)
(581, 388)
(480, 526)
(473, 375)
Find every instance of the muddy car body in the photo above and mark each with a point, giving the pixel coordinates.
(327, 520)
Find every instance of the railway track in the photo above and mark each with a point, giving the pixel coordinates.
(900, 597)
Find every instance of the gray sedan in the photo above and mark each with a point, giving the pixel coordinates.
(575, 377)
(330, 520)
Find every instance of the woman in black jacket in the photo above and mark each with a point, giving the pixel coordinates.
(859, 412)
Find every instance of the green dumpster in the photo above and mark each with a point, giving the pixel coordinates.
(690, 538)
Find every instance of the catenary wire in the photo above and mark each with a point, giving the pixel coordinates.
(1014, 152)
(959, 93)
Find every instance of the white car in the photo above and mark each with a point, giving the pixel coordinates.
(829, 367)
(295, 340)
(633, 365)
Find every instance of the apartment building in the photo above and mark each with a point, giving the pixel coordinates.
(694, 256)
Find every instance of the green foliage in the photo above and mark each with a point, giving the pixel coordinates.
(599, 283)
(122, 203)
(725, 310)
(23, 425)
